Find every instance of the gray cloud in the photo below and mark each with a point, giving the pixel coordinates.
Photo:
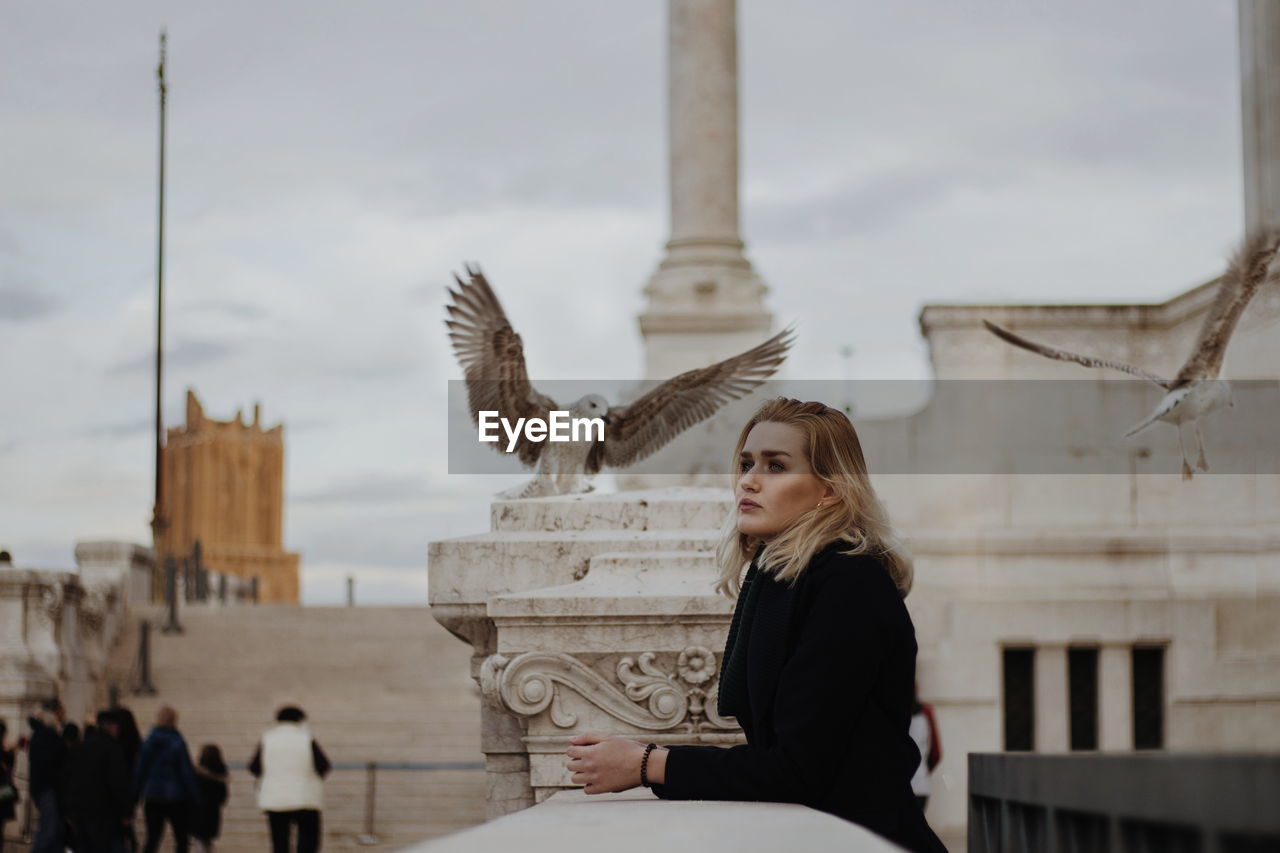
(126, 429)
(20, 302)
(186, 354)
(863, 206)
(373, 488)
(234, 310)
(310, 424)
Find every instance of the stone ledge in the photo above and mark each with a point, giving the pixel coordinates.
(636, 821)
(652, 509)
(642, 583)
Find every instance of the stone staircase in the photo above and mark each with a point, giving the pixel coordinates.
(378, 684)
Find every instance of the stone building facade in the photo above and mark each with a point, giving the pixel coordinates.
(224, 486)
(1096, 612)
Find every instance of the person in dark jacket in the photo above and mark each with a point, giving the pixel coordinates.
(211, 779)
(8, 792)
(46, 761)
(819, 665)
(99, 790)
(131, 742)
(165, 779)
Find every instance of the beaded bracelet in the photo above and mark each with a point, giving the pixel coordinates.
(644, 765)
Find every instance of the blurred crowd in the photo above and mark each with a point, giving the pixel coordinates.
(87, 783)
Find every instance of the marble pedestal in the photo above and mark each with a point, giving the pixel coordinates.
(587, 613)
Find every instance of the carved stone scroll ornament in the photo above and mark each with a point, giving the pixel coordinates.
(651, 699)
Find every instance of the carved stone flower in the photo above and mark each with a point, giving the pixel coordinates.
(696, 665)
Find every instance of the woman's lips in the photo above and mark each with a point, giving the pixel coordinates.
(746, 505)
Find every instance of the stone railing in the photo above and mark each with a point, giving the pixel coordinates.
(124, 565)
(1123, 803)
(205, 588)
(56, 634)
(637, 822)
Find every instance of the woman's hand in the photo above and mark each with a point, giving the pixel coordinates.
(605, 764)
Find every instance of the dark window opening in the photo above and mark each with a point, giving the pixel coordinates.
(1148, 697)
(1082, 681)
(1019, 699)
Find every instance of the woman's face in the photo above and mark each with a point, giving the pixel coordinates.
(775, 485)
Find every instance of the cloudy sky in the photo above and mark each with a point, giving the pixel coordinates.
(330, 165)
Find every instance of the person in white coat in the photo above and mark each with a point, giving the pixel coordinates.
(291, 767)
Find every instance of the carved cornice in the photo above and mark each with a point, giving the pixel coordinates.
(649, 698)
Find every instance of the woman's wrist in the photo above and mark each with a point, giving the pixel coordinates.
(656, 768)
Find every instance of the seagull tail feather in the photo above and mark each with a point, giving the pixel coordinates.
(1155, 416)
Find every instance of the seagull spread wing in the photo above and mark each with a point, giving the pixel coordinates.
(1063, 355)
(1237, 286)
(637, 430)
(492, 359)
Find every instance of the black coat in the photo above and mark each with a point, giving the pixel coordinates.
(99, 787)
(8, 808)
(206, 818)
(830, 682)
(46, 755)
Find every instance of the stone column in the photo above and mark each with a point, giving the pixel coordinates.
(1260, 97)
(1115, 701)
(705, 301)
(1051, 699)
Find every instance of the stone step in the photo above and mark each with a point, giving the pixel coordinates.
(654, 509)
(380, 684)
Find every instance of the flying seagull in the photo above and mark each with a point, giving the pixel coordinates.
(492, 359)
(1196, 391)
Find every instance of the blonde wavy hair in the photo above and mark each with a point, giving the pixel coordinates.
(835, 457)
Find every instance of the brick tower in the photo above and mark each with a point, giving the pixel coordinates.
(224, 485)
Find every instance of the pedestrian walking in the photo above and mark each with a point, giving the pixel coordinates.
(99, 788)
(211, 779)
(8, 791)
(46, 762)
(166, 782)
(291, 767)
(130, 739)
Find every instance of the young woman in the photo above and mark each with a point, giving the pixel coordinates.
(819, 667)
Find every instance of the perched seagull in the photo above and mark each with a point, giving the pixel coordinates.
(492, 358)
(1196, 391)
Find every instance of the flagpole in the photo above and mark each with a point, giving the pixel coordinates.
(158, 522)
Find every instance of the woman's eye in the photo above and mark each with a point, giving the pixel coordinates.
(779, 464)
(742, 466)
